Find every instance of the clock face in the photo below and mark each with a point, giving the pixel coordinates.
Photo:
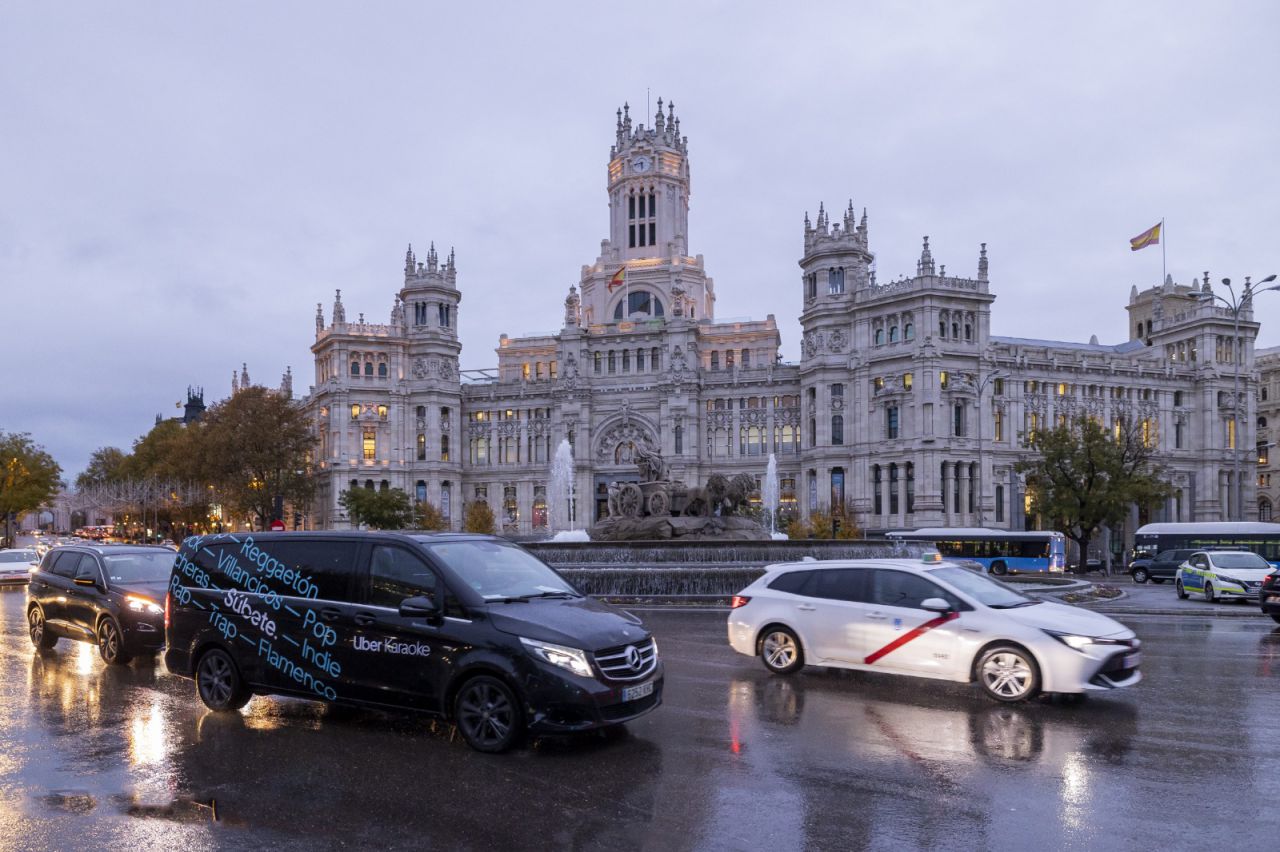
(640, 164)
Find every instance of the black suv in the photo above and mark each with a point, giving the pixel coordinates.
(1160, 567)
(107, 594)
(472, 628)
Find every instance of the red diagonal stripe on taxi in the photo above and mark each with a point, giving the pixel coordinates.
(911, 634)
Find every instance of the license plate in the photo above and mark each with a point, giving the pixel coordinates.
(1131, 661)
(631, 693)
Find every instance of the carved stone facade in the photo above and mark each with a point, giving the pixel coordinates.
(903, 405)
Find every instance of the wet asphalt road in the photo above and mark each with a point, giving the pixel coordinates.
(92, 757)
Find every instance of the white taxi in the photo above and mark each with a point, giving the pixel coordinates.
(1222, 575)
(929, 619)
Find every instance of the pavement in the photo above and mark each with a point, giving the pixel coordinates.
(128, 758)
(1162, 599)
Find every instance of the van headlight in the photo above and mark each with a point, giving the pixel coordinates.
(573, 659)
(1077, 642)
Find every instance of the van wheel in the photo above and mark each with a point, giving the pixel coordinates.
(488, 715)
(1008, 673)
(111, 643)
(1182, 593)
(219, 683)
(780, 651)
(41, 636)
(999, 568)
(1140, 575)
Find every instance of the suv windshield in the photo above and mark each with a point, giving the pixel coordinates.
(150, 567)
(499, 571)
(982, 589)
(1239, 560)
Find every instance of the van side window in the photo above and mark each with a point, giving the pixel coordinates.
(329, 565)
(396, 574)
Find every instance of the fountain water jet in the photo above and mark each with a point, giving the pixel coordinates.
(770, 496)
(560, 495)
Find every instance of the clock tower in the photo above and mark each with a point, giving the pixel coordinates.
(649, 187)
(644, 270)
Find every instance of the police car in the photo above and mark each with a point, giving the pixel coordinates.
(929, 618)
(1222, 575)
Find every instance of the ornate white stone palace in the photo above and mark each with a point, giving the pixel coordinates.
(904, 405)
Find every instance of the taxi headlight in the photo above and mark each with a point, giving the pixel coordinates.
(146, 605)
(1077, 642)
(573, 659)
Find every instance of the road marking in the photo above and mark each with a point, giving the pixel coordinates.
(911, 634)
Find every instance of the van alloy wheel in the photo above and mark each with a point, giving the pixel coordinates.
(487, 715)
(218, 682)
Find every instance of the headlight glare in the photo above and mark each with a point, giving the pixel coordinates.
(573, 659)
(146, 605)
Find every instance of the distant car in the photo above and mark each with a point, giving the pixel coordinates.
(16, 565)
(1269, 595)
(928, 619)
(1222, 575)
(1163, 566)
(110, 595)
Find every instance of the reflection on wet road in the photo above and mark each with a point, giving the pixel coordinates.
(127, 757)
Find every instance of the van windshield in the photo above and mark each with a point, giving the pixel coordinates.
(498, 571)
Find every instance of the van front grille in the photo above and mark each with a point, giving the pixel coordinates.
(628, 662)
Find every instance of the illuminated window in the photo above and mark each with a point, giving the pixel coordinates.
(370, 444)
(524, 371)
(422, 447)
(444, 448)
(998, 432)
(943, 380)
(355, 411)
(382, 412)
(907, 380)
(1148, 433)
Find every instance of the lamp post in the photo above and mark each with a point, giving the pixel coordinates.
(1236, 305)
(982, 385)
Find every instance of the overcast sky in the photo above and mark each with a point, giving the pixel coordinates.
(180, 183)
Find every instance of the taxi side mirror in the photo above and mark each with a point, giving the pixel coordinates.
(936, 605)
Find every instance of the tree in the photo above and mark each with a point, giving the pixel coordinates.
(477, 517)
(379, 510)
(819, 524)
(254, 448)
(428, 517)
(169, 451)
(1086, 476)
(29, 477)
(106, 464)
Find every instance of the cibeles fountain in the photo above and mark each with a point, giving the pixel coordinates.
(658, 508)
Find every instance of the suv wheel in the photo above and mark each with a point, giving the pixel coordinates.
(1140, 575)
(1209, 594)
(488, 715)
(41, 636)
(219, 683)
(1008, 674)
(1182, 593)
(780, 651)
(111, 643)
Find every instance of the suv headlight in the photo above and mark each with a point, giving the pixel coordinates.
(573, 659)
(1077, 642)
(146, 605)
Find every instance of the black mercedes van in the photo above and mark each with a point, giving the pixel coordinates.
(469, 627)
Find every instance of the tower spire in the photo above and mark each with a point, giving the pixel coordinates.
(925, 264)
(982, 263)
(408, 261)
(339, 312)
(319, 318)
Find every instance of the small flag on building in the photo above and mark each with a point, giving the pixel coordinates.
(619, 278)
(1147, 238)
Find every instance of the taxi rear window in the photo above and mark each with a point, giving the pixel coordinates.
(792, 582)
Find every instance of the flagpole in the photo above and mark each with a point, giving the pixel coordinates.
(1164, 269)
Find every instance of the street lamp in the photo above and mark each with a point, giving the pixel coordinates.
(1236, 305)
(982, 385)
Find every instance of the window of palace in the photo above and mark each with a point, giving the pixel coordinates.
(639, 303)
(642, 218)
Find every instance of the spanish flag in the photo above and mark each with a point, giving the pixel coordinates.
(1149, 237)
(619, 278)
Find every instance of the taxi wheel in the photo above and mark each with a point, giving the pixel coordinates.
(111, 643)
(41, 636)
(1008, 673)
(1182, 593)
(219, 683)
(1209, 594)
(780, 651)
(488, 715)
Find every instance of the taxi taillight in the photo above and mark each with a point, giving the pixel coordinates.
(738, 600)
